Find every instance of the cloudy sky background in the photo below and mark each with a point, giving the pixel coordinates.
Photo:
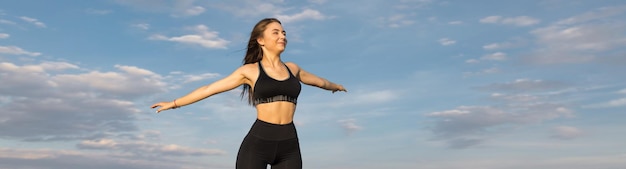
(432, 84)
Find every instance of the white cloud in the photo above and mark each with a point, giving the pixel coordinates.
(71, 106)
(8, 22)
(247, 8)
(193, 11)
(306, 14)
(566, 132)
(4, 35)
(517, 21)
(349, 125)
(54, 66)
(492, 70)
(492, 46)
(520, 21)
(516, 107)
(598, 14)
(617, 102)
(515, 42)
(194, 78)
(178, 8)
(623, 91)
(98, 11)
(130, 82)
(397, 20)
(455, 22)
(380, 96)
(33, 21)
(621, 102)
(51, 158)
(203, 37)
(491, 19)
(498, 56)
(139, 148)
(318, 1)
(515, 98)
(471, 61)
(580, 39)
(254, 8)
(523, 85)
(413, 4)
(189, 11)
(446, 41)
(142, 26)
(467, 126)
(17, 51)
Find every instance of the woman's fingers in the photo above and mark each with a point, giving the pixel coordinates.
(159, 106)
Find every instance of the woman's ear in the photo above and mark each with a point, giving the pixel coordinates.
(260, 41)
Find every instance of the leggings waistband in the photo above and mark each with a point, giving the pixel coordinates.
(269, 131)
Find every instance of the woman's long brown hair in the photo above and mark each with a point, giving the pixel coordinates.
(254, 53)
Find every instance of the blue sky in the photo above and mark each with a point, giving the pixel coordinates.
(432, 84)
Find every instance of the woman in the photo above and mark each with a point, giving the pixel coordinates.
(272, 87)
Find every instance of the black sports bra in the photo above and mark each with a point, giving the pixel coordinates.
(267, 89)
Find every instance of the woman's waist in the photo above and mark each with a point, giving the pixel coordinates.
(270, 131)
(276, 113)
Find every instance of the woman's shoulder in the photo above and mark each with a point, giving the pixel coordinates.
(293, 66)
(254, 65)
(248, 68)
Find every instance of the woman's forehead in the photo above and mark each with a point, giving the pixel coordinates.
(274, 26)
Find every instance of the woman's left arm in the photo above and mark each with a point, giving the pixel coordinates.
(313, 80)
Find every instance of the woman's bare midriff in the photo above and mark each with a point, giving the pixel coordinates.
(276, 112)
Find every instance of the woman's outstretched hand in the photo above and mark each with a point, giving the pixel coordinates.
(164, 106)
(339, 88)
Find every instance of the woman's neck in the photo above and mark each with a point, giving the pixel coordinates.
(272, 60)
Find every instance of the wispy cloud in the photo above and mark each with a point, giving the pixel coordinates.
(204, 76)
(372, 97)
(98, 11)
(306, 14)
(485, 71)
(203, 36)
(349, 125)
(277, 9)
(188, 10)
(4, 35)
(566, 132)
(446, 41)
(498, 56)
(33, 21)
(580, 39)
(141, 26)
(71, 105)
(180, 8)
(513, 43)
(455, 22)
(50, 158)
(397, 20)
(516, 21)
(141, 148)
(620, 102)
(524, 85)
(14, 50)
(467, 126)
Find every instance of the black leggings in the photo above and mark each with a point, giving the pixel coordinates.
(273, 144)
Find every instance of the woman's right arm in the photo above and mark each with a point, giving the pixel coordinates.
(235, 79)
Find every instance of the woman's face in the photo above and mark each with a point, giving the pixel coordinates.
(274, 38)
